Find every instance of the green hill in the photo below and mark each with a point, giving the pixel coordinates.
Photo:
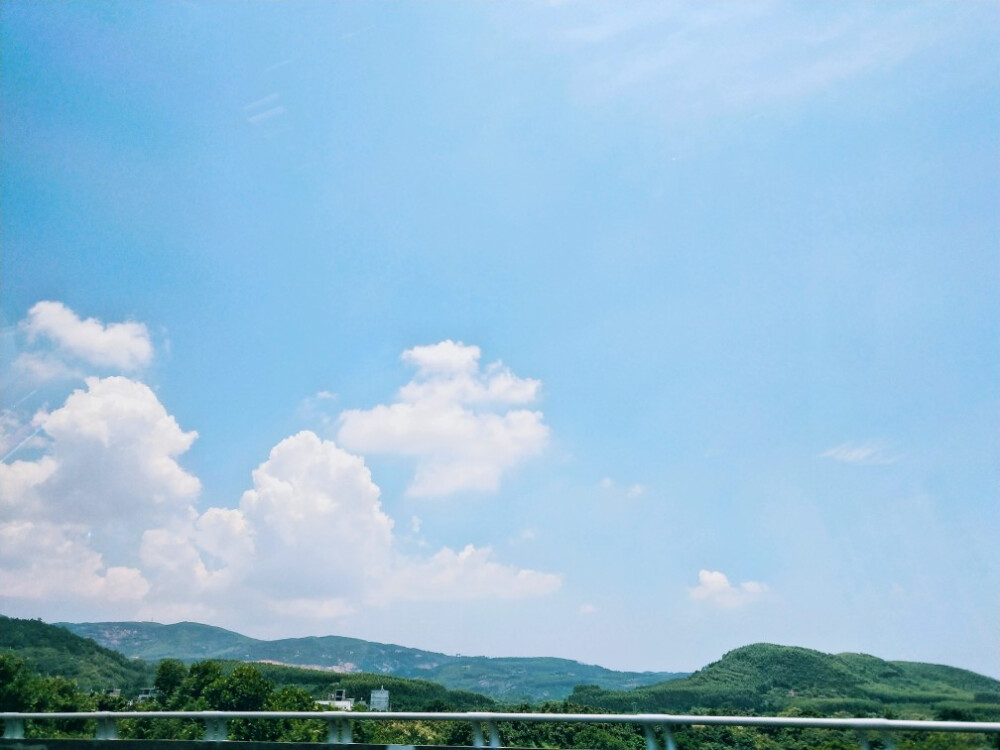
(54, 651)
(508, 679)
(765, 678)
(51, 651)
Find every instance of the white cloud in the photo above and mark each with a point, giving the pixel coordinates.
(319, 609)
(864, 454)
(714, 587)
(105, 513)
(469, 574)
(311, 539)
(318, 522)
(112, 458)
(39, 367)
(107, 473)
(44, 560)
(587, 609)
(123, 346)
(451, 417)
(321, 534)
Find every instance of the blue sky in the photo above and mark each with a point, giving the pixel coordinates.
(629, 333)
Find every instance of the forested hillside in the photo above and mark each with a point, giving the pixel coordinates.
(51, 651)
(508, 679)
(765, 678)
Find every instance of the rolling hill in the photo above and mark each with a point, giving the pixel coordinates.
(51, 651)
(766, 678)
(760, 678)
(509, 679)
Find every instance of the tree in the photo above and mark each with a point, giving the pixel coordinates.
(17, 684)
(170, 674)
(190, 695)
(244, 689)
(303, 730)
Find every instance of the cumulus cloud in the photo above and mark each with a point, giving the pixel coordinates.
(111, 458)
(714, 587)
(871, 453)
(318, 521)
(122, 346)
(44, 560)
(322, 536)
(107, 472)
(454, 418)
(105, 512)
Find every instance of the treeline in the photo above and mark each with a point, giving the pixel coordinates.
(213, 685)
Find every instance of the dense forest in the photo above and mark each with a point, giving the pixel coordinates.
(44, 668)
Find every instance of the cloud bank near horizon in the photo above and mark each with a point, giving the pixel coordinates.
(101, 510)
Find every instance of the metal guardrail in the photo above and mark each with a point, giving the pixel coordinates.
(658, 728)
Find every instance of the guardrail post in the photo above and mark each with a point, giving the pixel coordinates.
(887, 741)
(13, 729)
(651, 743)
(477, 734)
(216, 730)
(107, 728)
(494, 734)
(339, 732)
(865, 744)
(668, 738)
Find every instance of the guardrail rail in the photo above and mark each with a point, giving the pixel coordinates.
(657, 728)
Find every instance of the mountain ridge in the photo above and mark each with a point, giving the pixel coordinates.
(505, 678)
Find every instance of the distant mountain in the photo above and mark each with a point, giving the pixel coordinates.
(766, 678)
(508, 679)
(51, 650)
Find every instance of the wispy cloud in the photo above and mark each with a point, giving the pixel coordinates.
(267, 114)
(634, 490)
(703, 58)
(872, 453)
(264, 110)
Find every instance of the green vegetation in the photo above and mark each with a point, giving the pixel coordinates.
(52, 651)
(765, 678)
(761, 678)
(505, 679)
(406, 694)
